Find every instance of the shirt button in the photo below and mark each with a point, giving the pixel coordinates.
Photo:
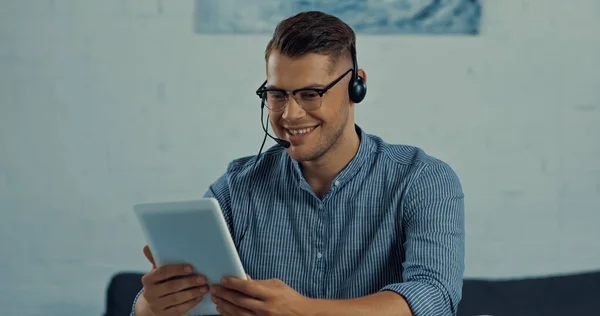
(336, 183)
(319, 255)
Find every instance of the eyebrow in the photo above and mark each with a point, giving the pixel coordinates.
(313, 85)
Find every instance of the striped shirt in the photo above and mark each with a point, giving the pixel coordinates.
(393, 220)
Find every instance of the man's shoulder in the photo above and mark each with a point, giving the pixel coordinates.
(403, 154)
(413, 163)
(418, 169)
(242, 167)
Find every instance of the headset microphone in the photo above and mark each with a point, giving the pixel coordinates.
(279, 141)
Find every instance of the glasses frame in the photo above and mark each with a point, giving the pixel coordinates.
(262, 92)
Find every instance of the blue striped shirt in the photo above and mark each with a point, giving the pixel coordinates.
(392, 220)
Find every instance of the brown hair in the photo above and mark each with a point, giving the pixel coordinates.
(312, 32)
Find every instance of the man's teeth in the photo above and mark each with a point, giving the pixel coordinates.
(300, 131)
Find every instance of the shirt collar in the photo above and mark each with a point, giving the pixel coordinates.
(365, 148)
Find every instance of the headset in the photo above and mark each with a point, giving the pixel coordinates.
(357, 88)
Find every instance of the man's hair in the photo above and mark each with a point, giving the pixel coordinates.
(312, 32)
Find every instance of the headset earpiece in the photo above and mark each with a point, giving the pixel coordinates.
(357, 88)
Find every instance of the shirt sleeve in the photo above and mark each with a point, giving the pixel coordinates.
(434, 243)
(135, 301)
(220, 191)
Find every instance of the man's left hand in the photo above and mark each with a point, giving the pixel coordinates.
(235, 296)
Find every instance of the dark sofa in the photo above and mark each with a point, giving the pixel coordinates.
(573, 294)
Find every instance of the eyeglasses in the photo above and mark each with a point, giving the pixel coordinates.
(310, 99)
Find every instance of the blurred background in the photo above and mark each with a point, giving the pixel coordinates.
(104, 104)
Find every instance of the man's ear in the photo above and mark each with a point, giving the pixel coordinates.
(362, 74)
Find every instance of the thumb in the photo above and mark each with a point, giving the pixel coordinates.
(149, 256)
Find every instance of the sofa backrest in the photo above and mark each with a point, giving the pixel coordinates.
(575, 294)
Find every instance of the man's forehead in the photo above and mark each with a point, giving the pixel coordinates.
(310, 62)
(285, 70)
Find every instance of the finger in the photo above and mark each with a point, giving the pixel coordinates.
(225, 307)
(166, 272)
(234, 297)
(249, 287)
(149, 256)
(172, 301)
(182, 308)
(180, 284)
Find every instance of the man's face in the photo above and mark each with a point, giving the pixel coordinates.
(311, 133)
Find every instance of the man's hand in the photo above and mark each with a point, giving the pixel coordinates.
(170, 290)
(273, 297)
(239, 297)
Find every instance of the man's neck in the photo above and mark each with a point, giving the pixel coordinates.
(321, 172)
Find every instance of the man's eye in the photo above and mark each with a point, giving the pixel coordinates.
(276, 95)
(309, 95)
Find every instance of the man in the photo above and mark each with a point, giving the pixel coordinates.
(338, 223)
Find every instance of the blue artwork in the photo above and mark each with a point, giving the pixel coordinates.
(364, 16)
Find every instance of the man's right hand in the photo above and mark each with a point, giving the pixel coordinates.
(171, 290)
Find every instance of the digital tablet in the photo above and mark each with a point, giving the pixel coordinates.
(192, 232)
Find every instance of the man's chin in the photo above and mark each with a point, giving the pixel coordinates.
(297, 156)
(301, 155)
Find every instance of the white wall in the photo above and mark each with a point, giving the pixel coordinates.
(104, 104)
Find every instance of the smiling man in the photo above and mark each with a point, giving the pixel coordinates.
(337, 221)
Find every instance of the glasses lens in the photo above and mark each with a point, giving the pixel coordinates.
(310, 100)
(276, 100)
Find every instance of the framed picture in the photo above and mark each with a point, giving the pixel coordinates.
(458, 17)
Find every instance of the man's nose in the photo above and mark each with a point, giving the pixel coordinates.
(293, 111)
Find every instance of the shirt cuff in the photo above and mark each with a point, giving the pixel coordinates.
(422, 298)
(135, 301)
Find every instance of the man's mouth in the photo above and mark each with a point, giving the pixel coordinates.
(300, 131)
